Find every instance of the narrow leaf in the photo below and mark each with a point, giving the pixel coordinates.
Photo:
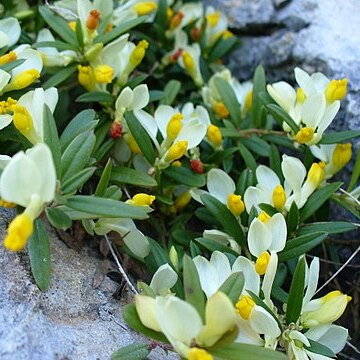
(60, 76)
(58, 218)
(233, 286)
(76, 181)
(95, 96)
(123, 175)
(293, 218)
(281, 116)
(185, 176)
(331, 227)
(135, 351)
(337, 137)
(257, 112)
(104, 179)
(171, 90)
(355, 173)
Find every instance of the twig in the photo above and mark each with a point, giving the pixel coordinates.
(121, 269)
(350, 196)
(349, 344)
(334, 262)
(340, 269)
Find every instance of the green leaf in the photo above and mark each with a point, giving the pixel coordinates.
(213, 245)
(39, 254)
(293, 218)
(270, 210)
(131, 316)
(194, 294)
(135, 351)
(95, 96)
(296, 294)
(83, 121)
(58, 218)
(233, 286)
(141, 137)
(12, 65)
(161, 14)
(104, 179)
(275, 162)
(171, 90)
(237, 351)
(257, 145)
(301, 245)
(79, 33)
(60, 76)
(222, 47)
(248, 157)
(225, 217)
(185, 176)
(123, 175)
(157, 256)
(51, 138)
(77, 154)
(317, 199)
(59, 45)
(60, 26)
(119, 30)
(156, 95)
(74, 182)
(281, 116)
(331, 227)
(229, 99)
(257, 110)
(107, 207)
(337, 137)
(245, 180)
(355, 173)
(319, 348)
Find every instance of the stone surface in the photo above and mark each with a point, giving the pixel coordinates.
(71, 320)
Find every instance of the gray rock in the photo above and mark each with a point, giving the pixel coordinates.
(71, 320)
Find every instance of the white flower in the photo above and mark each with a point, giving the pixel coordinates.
(29, 180)
(163, 280)
(216, 25)
(190, 61)
(4, 79)
(222, 238)
(10, 31)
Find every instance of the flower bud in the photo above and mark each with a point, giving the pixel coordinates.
(336, 90)
(244, 306)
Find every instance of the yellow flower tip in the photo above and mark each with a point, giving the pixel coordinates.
(169, 13)
(316, 173)
(141, 200)
(22, 119)
(9, 57)
(86, 77)
(342, 154)
(235, 204)
(176, 163)
(199, 354)
(138, 53)
(279, 197)
(109, 27)
(72, 25)
(176, 20)
(244, 306)
(348, 298)
(181, 202)
(7, 105)
(93, 20)
(227, 34)
(23, 79)
(144, 7)
(213, 18)
(7, 204)
(214, 135)
(176, 150)
(262, 263)
(221, 110)
(104, 74)
(300, 95)
(133, 145)
(189, 62)
(18, 232)
(336, 90)
(249, 100)
(174, 126)
(264, 217)
(305, 135)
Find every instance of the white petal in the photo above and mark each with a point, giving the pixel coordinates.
(259, 237)
(312, 280)
(5, 120)
(252, 278)
(294, 172)
(254, 196)
(4, 160)
(320, 81)
(297, 335)
(162, 115)
(305, 82)
(269, 277)
(4, 79)
(278, 230)
(196, 194)
(329, 115)
(263, 323)
(146, 309)
(267, 178)
(141, 97)
(313, 110)
(208, 276)
(125, 99)
(148, 123)
(284, 94)
(32, 58)
(221, 264)
(11, 27)
(137, 242)
(51, 98)
(193, 133)
(164, 279)
(220, 184)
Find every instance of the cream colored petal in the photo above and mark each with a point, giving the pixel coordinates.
(208, 276)
(267, 178)
(125, 99)
(146, 309)
(254, 196)
(193, 133)
(148, 123)
(141, 97)
(278, 230)
(305, 82)
(259, 237)
(329, 115)
(269, 277)
(294, 172)
(163, 280)
(263, 323)
(284, 94)
(163, 115)
(11, 27)
(312, 280)
(221, 264)
(137, 242)
(313, 110)
(220, 184)
(252, 278)
(5, 120)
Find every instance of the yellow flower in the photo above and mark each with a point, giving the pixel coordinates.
(199, 354)
(18, 233)
(174, 126)
(144, 7)
(141, 200)
(221, 110)
(336, 90)
(23, 79)
(342, 155)
(264, 217)
(279, 197)
(176, 151)
(235, 204)
(86, 77)
(262, 263)
(104, 74)
(10, 56)
(316, 174)
(214, 135)
(138, 53)
(244, 306)
(305, 135)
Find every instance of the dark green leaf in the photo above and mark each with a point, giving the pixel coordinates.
(59, 45)
(293, 218)
(233, 286)
(76, 181)
(225, 217)
(337, 137)
(141, 137)
(131, 316)
(245, 180)
(185, 176)
(275, 162)
(107, 207)
(60, 26)
(39, 254)
(58, 218)
(51, 138)
(257, 112)
(104, 179)
(270, 210)
(123, 175)
(135, 351)
(319, 348)
(248, 157)
(222, 47)
(301, 245)
(95, 96)
(60, 76)
(119, 30)
(171, 90)
(213, 245)
(296, 294)
(258, 146)
(281, 116)
(157, 256)
(156, 95)
(331, 227)
(192, 286)
(317, 199)
(355, 173)
(229, 99)
(12, 65)
(79, 33)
